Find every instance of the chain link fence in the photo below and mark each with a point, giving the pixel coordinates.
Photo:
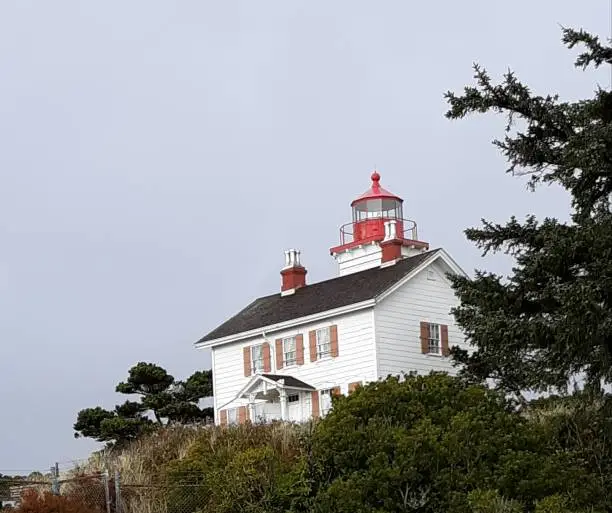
(106, 493)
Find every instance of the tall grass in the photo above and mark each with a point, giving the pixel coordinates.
(174, 458)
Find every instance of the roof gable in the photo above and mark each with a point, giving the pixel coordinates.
(319, 297)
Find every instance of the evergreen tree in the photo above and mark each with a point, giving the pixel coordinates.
(551, 319)
(163, 400)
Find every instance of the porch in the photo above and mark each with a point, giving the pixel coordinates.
(270, 397)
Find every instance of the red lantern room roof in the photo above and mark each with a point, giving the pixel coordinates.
(376, 191)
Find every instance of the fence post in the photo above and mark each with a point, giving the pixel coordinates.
(106, 491)
(117, 492)
(55, 487)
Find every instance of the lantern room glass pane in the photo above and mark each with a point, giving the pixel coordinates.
(377, 208)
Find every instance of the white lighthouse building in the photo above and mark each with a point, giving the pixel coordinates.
(388, 312)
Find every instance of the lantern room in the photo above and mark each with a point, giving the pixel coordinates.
(377, 219)
(372, 209)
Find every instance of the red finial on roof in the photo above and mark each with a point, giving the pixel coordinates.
(376, 191)
(375, 180)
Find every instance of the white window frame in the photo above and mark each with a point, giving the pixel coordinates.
(431, 275)
(293, 398)
(232, 416)
(434, 341)
(257, 364)
(323, 341)
(322, 394)
(289, 357)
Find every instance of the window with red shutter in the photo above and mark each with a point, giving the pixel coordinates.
(333, 335)
(246, 357)
(278, 350)
(267, 357)
(314, 399)
(312, 342)
(299, 349)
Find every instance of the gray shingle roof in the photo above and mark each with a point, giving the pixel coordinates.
(289, 381)
(318, 297)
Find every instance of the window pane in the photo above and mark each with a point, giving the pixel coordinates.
(323, 342)
(434, 338)
(326, 401)
(232, 416)
(289, 344)
(289, 352)
(257, 358)
(374, 205)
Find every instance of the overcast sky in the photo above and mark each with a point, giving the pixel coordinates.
(157, 157)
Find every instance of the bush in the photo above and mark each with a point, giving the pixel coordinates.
(245, 468)
(429, 441)
(34, 502)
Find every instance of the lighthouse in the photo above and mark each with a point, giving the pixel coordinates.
(378, 234)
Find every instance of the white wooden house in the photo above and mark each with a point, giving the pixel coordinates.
(388, 312)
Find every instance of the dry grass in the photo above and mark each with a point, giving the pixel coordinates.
(144, 466)
(144, 461)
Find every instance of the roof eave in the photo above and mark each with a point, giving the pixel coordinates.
(264, 330)
(440, 253)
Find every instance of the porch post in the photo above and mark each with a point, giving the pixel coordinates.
(283, 403)
(251, 407)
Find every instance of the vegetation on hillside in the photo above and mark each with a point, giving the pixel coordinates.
(428, 443)
(162, 401)
(46, 502)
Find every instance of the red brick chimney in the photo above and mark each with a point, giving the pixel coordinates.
(391, 245)
(293, 275)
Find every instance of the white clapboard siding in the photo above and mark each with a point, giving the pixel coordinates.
(355, 361)
(398, 318)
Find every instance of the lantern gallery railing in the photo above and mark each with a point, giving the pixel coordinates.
(373, 229)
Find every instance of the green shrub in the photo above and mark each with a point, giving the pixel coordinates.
(245, 468)
(427, 442)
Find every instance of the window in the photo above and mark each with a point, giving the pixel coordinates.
(257, 360)
(289, 352)
(293, 398)
(232, 415)
(431, 275)
(326, 400)
(434, 339)
(323, 342)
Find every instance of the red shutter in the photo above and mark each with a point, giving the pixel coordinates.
(279, 353)
(243, 414)
(312, 336)
(315, 403)
(246, 357)
(223, 418)
(424, 337)
(299, 349)
(333, 336)
(353, 386)
(267, 360)
(444, 337)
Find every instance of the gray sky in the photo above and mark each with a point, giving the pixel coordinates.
(157, 157)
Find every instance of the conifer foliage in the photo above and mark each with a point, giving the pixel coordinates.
(552, 317)
(162, 401)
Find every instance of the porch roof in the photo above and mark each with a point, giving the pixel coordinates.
(288, 381)
(270, 381)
